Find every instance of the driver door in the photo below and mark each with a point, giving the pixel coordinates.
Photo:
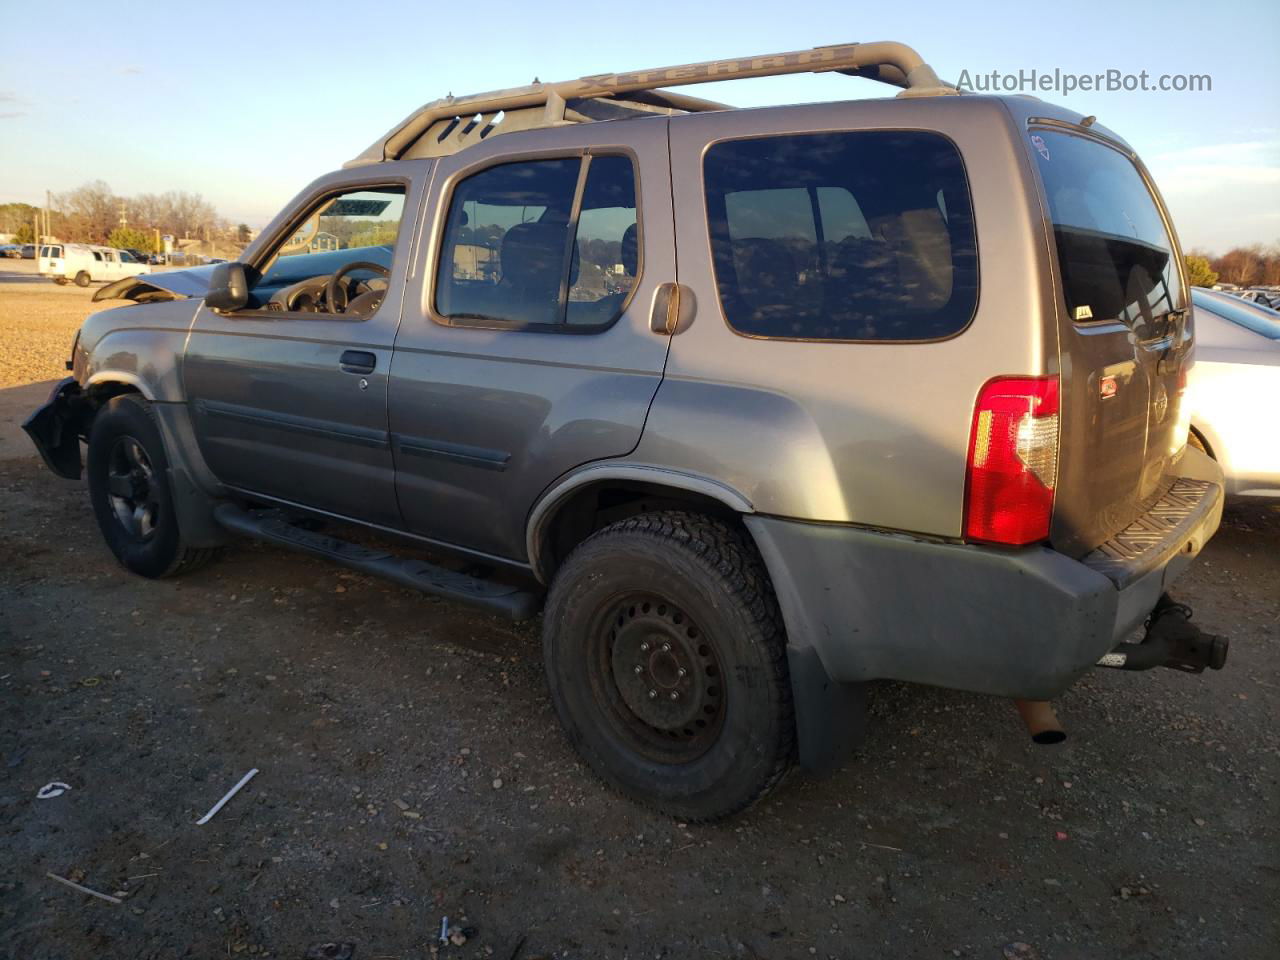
(289, 399)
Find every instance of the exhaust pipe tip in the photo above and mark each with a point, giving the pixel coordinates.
(1047, 738)
(1041, 722)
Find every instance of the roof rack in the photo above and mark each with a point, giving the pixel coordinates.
(446, 126)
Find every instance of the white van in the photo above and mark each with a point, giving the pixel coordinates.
(85, 263)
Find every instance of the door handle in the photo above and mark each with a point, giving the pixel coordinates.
(358, 361)
(673, 309)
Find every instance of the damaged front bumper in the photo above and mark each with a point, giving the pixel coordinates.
(55, 429)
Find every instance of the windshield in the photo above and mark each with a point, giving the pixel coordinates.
(1114, 252)
(1240, 312)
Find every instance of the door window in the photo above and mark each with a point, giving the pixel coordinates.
(541, 244)
(354, 226)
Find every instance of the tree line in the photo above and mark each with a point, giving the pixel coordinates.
(1251, 266)
(92, 213)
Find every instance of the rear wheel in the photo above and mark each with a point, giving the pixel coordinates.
(666, 660)
(129, 489)
(82, 279)
(1197, 441)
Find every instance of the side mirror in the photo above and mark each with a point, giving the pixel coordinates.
(228, 288)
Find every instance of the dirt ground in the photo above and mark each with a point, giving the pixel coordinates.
(411, 767)
(37, 321)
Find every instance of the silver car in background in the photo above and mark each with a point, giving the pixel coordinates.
(1235, 391)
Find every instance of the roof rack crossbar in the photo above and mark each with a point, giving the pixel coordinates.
(887, 61)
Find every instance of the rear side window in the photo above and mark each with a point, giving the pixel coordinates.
(1114, 253)
(843, 236)
(542, 244)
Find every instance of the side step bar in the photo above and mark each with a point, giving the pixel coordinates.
(270, 525)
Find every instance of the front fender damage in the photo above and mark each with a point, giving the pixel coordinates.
(56, 428)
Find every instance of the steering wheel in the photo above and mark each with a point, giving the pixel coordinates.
(333, 289)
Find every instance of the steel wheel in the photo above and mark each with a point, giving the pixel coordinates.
(658, 678)
(130, 489)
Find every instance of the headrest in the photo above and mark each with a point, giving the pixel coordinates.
(766, 271)
(630, 255)
(533, 252)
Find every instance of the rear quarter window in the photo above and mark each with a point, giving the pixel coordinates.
(863, 235)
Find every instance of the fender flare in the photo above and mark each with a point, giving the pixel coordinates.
(194, 488)
(122, 376)
(545, 507)
(831, 717)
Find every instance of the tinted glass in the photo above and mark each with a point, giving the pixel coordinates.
(606, 258)
(506, 243)
(843, 236)
(1114, 252)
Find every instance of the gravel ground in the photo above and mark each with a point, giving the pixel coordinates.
(411, 767)
(38, 321)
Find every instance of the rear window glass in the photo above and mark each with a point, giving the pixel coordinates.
(843, 236)
(1114, 252)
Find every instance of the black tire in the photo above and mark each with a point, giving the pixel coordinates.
(128, 474)
(698, 586)
(61, 281)
(82, 279)
(1197, 441)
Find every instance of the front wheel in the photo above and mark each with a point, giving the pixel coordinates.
(129, 489)
(666, 660)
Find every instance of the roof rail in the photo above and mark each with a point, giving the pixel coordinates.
(462, 121)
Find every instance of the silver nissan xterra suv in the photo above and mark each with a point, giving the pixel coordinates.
(755, 405)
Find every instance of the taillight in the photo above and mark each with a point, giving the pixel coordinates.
(1013, 461)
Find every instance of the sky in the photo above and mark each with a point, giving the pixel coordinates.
(246, 103)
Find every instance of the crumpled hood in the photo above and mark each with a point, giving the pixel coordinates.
(166, 285)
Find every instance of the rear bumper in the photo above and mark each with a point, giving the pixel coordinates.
(1013, 623)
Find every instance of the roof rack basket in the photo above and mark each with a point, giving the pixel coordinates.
(459, 122)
